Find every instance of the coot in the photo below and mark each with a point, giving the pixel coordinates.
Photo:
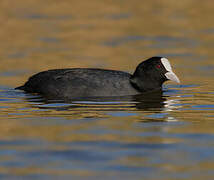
(89, 82)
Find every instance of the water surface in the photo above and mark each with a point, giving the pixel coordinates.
(168, 136)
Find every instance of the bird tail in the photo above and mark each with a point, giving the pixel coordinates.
(20, 88)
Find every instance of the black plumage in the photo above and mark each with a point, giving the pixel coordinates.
(87, 82)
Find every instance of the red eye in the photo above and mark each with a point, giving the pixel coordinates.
(158, 66)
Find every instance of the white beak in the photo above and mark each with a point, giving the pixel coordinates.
(172, 76)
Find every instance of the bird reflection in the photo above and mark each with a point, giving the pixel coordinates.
(147, 101)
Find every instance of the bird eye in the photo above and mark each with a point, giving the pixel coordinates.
(158, 66)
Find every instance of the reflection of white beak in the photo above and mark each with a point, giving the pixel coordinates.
(172, 76)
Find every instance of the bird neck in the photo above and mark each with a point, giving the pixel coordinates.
(145, 84)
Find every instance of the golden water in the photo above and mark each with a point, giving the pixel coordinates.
(169, 138)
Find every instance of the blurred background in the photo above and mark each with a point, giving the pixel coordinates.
(169, 138)
(118, 34)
